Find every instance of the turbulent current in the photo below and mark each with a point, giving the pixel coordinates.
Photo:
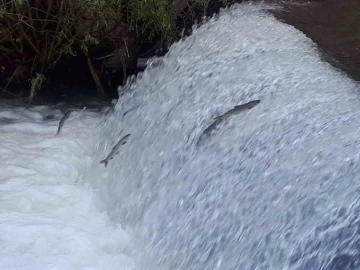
(275, 187)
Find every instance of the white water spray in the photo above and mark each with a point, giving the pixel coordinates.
(267, 187)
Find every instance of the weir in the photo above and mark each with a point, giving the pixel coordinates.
(275, 187)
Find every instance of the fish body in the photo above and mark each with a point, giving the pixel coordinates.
(131, 109)
(115, 150)
(62, 121)
(49, 117)
(206, 133)
(238, 109)
(213, 126)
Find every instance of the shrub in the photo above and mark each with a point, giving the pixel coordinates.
(35, 34)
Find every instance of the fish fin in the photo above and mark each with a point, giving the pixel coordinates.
(105, 162)
(218, 118)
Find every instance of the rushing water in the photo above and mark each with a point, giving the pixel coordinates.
(276, 187)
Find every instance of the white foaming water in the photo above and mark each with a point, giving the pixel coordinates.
(48, 220)
(271, 186)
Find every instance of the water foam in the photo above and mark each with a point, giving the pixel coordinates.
(264, 189)
(48, 219)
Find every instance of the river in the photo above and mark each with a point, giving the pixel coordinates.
(275, 187)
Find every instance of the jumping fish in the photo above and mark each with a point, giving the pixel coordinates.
(213, 126)
(62, 121)
(206, 133)
(49, 117)
(131, 109)
(238, 109)
(115, 150)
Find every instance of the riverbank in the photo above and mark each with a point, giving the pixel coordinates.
(331, 24)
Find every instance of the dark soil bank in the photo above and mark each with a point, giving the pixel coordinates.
(334, 25)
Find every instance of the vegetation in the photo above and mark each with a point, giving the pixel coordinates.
(36, 34)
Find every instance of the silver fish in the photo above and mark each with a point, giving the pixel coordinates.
(62, 121)
(206, 133)
(238, 109)
(115, 150)
(131, 109)
(49, 117)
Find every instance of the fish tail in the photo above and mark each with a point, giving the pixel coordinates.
(105, 162)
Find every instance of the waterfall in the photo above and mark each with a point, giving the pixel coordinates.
(274, 187)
